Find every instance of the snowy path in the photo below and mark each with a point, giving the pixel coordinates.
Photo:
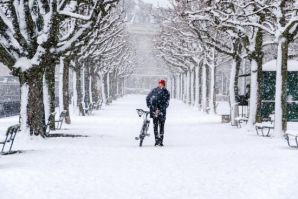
(203, 159)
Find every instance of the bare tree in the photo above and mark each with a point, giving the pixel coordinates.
(30, 44)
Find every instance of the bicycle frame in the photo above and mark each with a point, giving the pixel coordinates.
(145, 126)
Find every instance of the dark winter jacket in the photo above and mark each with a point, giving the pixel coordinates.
(158, 99)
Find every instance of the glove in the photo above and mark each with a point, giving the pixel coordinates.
(157, 112)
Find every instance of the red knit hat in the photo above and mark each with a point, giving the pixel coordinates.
(162, 82)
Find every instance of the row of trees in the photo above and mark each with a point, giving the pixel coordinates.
(86, 36)
(208, 33)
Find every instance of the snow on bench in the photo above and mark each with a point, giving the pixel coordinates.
(265, 128)
(240, 120)
(292, 138)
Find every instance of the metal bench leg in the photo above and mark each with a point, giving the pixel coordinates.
(288, 140)
(3, 147)
(12, 141)
(4, 143)
(58, 124)
(268, 132)
(296, 139)
(61, 124)
(239, 124)
(257, 130)
(262, 132)
(287, 137)
(48, 130)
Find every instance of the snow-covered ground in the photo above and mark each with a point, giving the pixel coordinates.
(202, 158)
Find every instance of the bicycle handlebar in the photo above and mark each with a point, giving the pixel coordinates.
(142, 112)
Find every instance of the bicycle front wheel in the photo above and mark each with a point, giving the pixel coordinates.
(141, 142)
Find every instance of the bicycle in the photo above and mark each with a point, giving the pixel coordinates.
(146, 123)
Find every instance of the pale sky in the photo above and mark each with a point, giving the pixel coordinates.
(161, 3)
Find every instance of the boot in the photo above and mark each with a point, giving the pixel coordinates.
(157, 142)
(161, 143)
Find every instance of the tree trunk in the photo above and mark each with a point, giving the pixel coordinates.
(75, 93)
(197, 87)
(35, 110)
(105, 87)
(281, 113)
(253, 93)
(79, 91)
(212, 90)
(256, 85)
(60, 83)
(83, 86)
(174, 85)
(107, 84)
(94, 88)
(90, 89)
(123, 86)
(233, 88)
(120, 86)
(188, 89)
(204, 88)
(50, 84)
(113, 83)
(185, 84)
(46, 99)
(117, 87)
(181, 87)
(66, 97)
(24, 105)
(178, 86)
(260, 88)
(192, 90)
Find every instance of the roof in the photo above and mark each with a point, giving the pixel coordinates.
(271, 65)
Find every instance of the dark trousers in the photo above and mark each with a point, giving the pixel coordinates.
(158, 122)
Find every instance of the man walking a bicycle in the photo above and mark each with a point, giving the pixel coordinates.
(158, 102)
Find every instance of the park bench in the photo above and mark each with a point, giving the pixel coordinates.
(58, 123)
(292, 136)
(88, 109)
(265, 127)
(85, 108)
(109, 100)
(60, 120)
(91, 108)
(98, 104)
(240, 120)
(9, 139)
(223, 111)
(225, 118)
(47, 127)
